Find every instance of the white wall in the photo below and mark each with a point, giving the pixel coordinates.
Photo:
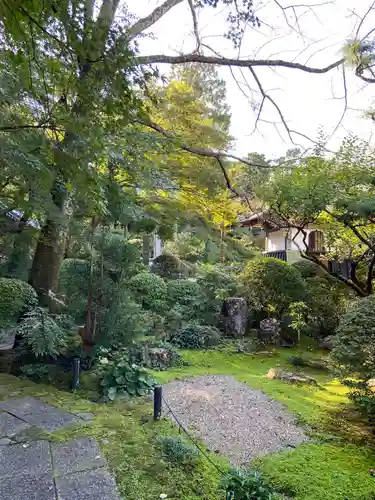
(275, 240)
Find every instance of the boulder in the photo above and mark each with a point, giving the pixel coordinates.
(7, 338)
(371, 383)
(235, 316)
(269, 331)
(291, 377)
(328, 342)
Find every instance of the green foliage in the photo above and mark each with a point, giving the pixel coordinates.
(248, 485)
(150, 290)
(363, 397)
(184, 292)
(272, 285)
(42, 333)
(177, 452)
(74, 285)
(16, 298)
(354, 348)
(168, 267)
(298, 312)
(119, 378)
(308, 269)
(36, 372)
(156, 355)
(196, 337)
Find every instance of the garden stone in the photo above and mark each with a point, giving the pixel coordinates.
(269, 330)
(328, 342)
(27, 487)
(97, 484)
(35, 459)
(10, 425)
(293, 378)
(4, 441)
(7, 338)
(77, 455)
(86, 416)
(235, 316)
(39, 414)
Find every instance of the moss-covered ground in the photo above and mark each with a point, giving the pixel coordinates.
(334, 465)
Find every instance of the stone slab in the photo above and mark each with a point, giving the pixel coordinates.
(96, 484)
(77, 455)
(39, 414)
(27, 487)
(33, 459)
(10, 425)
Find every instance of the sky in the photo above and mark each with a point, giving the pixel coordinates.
(307, 101)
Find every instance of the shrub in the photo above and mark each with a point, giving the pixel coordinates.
(354, 349)
(196, 337)
(36, 372)
(176, 451)
(272, 285)
(169, 267)
(16, 298)
(149, 289)
(119, 378)
(74, 285)
(42, 333)
(243, 484)
(308, 269)
(184, 292)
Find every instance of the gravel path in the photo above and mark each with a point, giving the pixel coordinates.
(231, 418)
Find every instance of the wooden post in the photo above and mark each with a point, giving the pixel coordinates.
(157, 402)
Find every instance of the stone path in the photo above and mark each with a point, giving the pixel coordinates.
(231, 418)
(35, 469)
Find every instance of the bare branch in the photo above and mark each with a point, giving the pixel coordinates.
(146, 22)
(244, 63)
(195, 26)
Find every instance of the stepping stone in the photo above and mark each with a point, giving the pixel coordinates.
(27, 487)
(39, 414)
(96, 484)
(78, 455)
(9, 425)
(33, 459)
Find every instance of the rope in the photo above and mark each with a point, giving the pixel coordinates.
(191, 438)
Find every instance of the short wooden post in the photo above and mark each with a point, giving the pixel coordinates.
(75, 369)
(157, 402)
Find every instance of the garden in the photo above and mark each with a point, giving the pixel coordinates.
(142, 258)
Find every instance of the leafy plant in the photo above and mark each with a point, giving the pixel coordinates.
(150, 290)
(272, 285)
(298, 315)
(120, 378)
(36, 372)
(196, 337)
(16, 297)
(176, 451)
(248, 485)
(169, 267)
(42, 333)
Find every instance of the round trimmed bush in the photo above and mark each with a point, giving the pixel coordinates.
(355, 340)
(149, 289)
(196, 337)
(184, 292)
(272, 285)
(308, 269)
(167, 266)
(16, 298)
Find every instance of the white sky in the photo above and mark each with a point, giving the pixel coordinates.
(307, 101)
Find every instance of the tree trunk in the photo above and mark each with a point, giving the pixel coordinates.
(49, 253)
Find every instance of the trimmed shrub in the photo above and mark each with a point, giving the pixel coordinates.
(354, 348)
(184, 292)
(150, 290)
(308, 269)
(16, 298)
(272, 285)
(196, 337)
(168, 267)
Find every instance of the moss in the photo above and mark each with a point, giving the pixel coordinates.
(317, 472)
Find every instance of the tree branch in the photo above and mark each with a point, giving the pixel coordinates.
(244, 63)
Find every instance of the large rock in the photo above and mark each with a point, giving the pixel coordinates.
(235, 316)
(291, 377)
(328, 343)
(7, 338)
(270, 330)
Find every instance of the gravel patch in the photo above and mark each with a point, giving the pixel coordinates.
(231, 418)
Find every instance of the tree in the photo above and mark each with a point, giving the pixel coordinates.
(338, 194)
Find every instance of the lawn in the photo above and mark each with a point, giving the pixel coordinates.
(333, 466)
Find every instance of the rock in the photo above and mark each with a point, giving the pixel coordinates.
(159, 356)
(293, 378)
(86, 416)
(328, 342)
(7, 338)
(269, 330)
(371, 383)
(235, 316)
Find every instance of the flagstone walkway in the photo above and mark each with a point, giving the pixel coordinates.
(32, 468)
